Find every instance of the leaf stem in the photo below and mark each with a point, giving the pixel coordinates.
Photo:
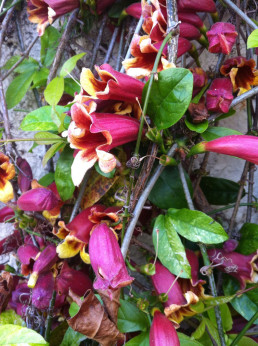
(231, 206)
(32, 139)
(242, 333)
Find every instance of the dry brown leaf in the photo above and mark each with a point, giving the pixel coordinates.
(6, 287)
(111, 306)
(92, 320)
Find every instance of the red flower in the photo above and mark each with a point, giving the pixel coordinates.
(6, 213)
(107, 260)
(196, 5)
(134, 10)
(244, 147)
(95, 134)
(25, 174)
(222, 37)
(7, 172)
(242, 73)
(38, 199)
(162, 332)
(27, 255)
(219, 96)
(199, 79)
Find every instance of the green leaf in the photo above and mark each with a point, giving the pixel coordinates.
(212, 330)
(9, 63)
(226, 115)
(131, 319)
(45, 138)
(51, 152)
(70, 64)
(186, 340)
(252, 40)
(249, 239)
(244, 341)
(219, 191)
(73, 309)
(214, 301)
(49, 43)
(41, 120)
(199, 331)
(170, 96)
(171, 251)
(199, 128)
(227, 322)
(18, 88)
(10, 317)
(196, 226)
(27, 65)
(107, 175)
(215, 132)
(71, 87)
(47, 179)
(54, 91)
(197, 98)
(140, 340)
(13, 334)
(57, 334)
(168, 191)
(40, 77)
(72, 338)
(243, 304)
(63, 178)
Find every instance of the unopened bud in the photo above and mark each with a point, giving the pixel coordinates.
(148, 269)
(142, 304)
(163, 297)
(166, 160)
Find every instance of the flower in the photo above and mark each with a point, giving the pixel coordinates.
(44, 12)
(76, 234)
(27, 255)
(102, 5)
(10, 243)
(95, 134)
(6, 214)
(243, 268)
(38, 199)
(200, 79)
(162, 331)
(219, 96)
(112, 85)
(242, 146)
(107, 260)
(196, 5)
(25, 174)
(134, 10)
(242, 73)
(7, 172)
(221, 37)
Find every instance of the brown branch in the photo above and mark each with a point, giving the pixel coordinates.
(98, 41)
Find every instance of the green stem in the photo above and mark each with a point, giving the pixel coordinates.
(231, 206)
(40, 235)
(32, 139)
(246, 327)
(8, 8)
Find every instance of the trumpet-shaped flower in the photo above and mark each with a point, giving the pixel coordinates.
(107, 260)
(219, 96)
(222, 37)
(44, 12)
(162, 332)
(25, 174)
(196, 5)
(242, 73)
(244, 147)
(7, 172)
(38, 199)
(94, 135)
(134, 10)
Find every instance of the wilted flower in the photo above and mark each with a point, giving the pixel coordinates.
(38, 199)
(44, 12)
(222, 37)
(219, 96)
(162, 331)
(242, 73)
(244, 147)
(244, 268)
(107, 260)
(95, 134)
(76, 234)
(25, 174)
(7, 172)
(198, 111)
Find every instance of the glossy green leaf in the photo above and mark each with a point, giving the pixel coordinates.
(70, 64)
(226, 115)
(244, 341)
(10, 62)
(41, 120)
(196, 226)
(248, 242)
(57, 334)
(227, 321)
(215, 132)
(47, 179)
(171, 251)
(219, 191)
(139, 340)
(49, 43)
(186, 340)
(199, 127)
(63, 178)
(170, 96)
(40, 77)
(252, 40)
(12, 334)
(10, 317)
(72, 338)
(71, 87)
(51, 152)
(54, 91)
(45, 138)
(197, 98)
(27, 65)
(73, 309)
(212, 330)
(168, 191)
(131, 319)
(199, 331)
(18, 88)
(242, 304)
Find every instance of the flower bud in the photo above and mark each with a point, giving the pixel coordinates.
(162, 332)
(148, 269)
(25, 175)
(166, 160)
(37, 200)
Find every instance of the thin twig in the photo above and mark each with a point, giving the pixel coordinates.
(201, 172)
(111, 45)
(97, 43)
(121, 43)
(250, 191)
(172, 25)
(241, 14)
(80, 196)
(143, 246)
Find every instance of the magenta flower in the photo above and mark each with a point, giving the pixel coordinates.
(102, 5)
(6, 214)
(162, 332)
(107, 260)
(222, 37)
(134, 10)
(243, 268)
(192, 18)
(220, 95)
(25, 175)
(27, 255)
(242, 146)
(196, 5)
(199, 79)
(95, 134)
(37, 200)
